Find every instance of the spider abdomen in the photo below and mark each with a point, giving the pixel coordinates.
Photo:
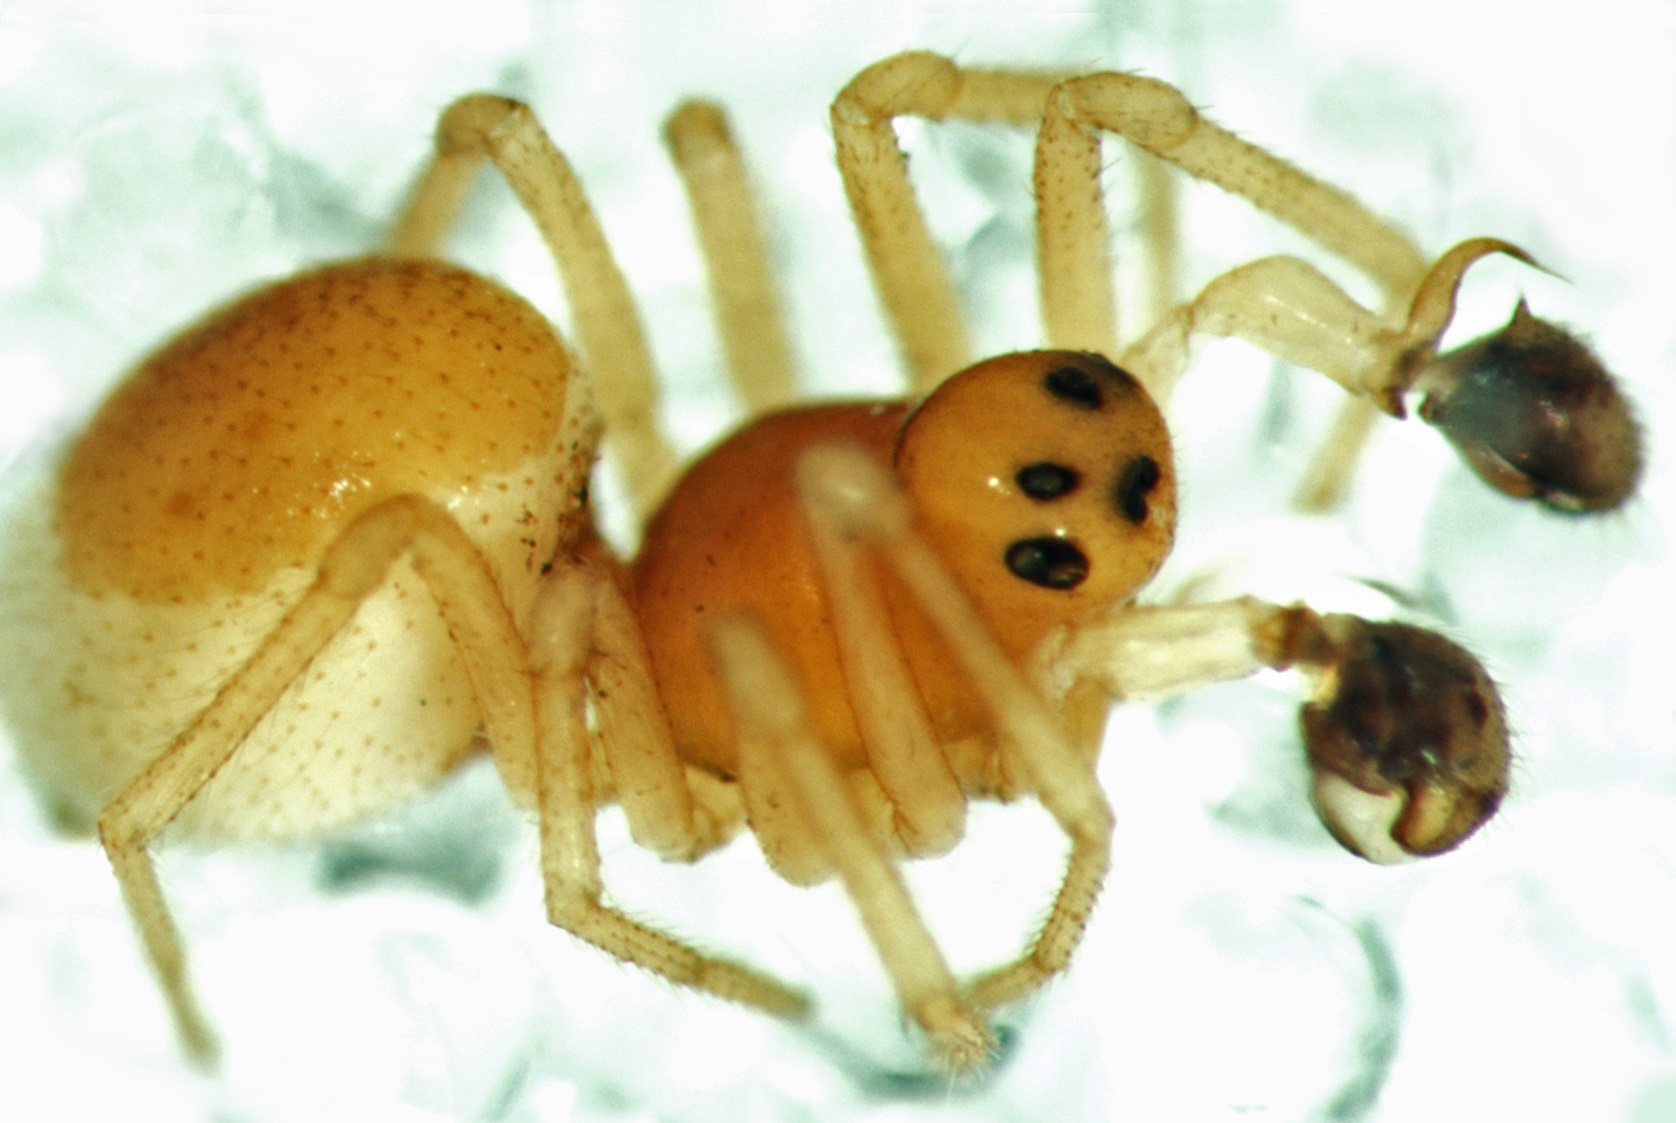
(192, 511)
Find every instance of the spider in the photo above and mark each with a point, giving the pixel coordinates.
(316, 543)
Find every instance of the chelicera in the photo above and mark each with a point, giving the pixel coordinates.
(316, 543)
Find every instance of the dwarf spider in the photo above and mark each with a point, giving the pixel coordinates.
(315, 543)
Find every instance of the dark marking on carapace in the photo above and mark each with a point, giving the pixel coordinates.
(1074, 386)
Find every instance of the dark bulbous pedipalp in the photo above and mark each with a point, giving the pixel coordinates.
(1535, 413)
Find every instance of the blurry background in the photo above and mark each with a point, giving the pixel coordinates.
(1241, 966)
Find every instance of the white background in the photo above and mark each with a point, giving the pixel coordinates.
(1241, 966)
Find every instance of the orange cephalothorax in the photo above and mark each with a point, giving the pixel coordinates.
(1043, 479)
(731, 538)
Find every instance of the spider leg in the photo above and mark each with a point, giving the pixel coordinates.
(567, 804)
(1159, 214)
(1331, 468)
(608, 326)
(655, 789)
(1156, 117)
(902, 750)
(1073, 257)
(1073, 112)
(861, 495)
(777, 748)
(747, 306)
(914, 285)
(354, 567)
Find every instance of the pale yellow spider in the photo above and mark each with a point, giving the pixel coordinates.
(316, 543)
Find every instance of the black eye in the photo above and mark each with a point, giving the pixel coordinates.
(1139, 477)
(1074, 386)
(1052, 563)
(1046, 480)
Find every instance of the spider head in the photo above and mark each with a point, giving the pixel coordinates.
(1045, 481)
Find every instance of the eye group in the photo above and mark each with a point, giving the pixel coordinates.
(1058, 563)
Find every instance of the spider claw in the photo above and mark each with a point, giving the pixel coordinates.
(1535, 413)
(962, 1041)
(1407, 740)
